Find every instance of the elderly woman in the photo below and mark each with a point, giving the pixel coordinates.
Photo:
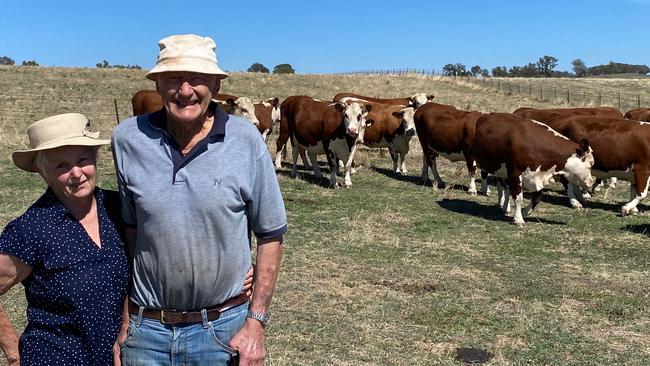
(66, 250)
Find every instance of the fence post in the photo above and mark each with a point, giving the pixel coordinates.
(638, 101)
(568, 96)
(531, 89)
(619, 100)
(555, 93)
(117, 115)
(541, 93)
(600, 98)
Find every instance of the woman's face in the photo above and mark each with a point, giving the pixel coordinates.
(70, 171)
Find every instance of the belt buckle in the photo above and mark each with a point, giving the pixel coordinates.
(163, 319)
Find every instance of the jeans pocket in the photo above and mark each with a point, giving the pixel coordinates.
(225, 328)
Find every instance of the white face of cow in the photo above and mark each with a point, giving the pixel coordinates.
(354, 118)
(244, 107)
(408, 121)
(578, 169)
(419, 99)
(274, 104)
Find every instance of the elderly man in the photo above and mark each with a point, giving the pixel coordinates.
(195, 182)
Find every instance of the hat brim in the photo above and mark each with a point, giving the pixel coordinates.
(185, 65)
(24, 159)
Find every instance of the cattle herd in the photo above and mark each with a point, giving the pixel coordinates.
(524, 150)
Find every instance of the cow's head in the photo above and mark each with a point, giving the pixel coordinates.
(275, 112)
(419, 99)
(354, 117)
(578, 166)
(243, 107)
(406, 116)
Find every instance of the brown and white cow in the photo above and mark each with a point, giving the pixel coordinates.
(242, 107)
(639, 114)
(414, 101)
(390, 126)
(527, 154)
(268, 114)
(446, 131)
(320, 127)
(621, 149)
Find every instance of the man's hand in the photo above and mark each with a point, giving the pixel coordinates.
(249, 342)
(121, 337)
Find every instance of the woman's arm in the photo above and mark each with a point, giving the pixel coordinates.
(12, 271)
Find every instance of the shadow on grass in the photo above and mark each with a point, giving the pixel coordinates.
(559, 198)
(643, 229)
(416, 180)
(488, 212)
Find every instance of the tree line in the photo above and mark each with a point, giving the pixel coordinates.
(545, 67)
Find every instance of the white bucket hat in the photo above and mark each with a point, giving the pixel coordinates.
(68, 129)
(187, 52)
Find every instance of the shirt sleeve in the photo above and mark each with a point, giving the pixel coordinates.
(13, 242)
(266, 208)
(126, 196)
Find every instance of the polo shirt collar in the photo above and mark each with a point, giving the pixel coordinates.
(158, 119)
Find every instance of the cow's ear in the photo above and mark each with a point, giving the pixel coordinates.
(367, 109)
(230, 102)
(369, 122)
(276, 102)
(430, 97)
(340, 106)
(410, 99)
(398, 114)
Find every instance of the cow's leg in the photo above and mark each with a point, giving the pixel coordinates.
(348, 157)
(424, 177)
(294, 161)
(437, 181)
(535, 198)
(265, 135)
(598, 184)
(471, 171)
(485, 189)
(638, 189)
(332, 160)
(612, 182)
(394, 156)
(573, 200)
(278, 158)
(315, 167)
(402, 164)
(305, 162)
(514, 184)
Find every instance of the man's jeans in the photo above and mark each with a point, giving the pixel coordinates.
(151, 343)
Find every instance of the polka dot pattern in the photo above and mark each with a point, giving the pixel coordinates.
(76, 290)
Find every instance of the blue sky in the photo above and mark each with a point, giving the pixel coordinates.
(331, 36)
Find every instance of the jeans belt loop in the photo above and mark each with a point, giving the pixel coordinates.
(204, 318)
(138, 320)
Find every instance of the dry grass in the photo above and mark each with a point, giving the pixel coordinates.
(390, 272)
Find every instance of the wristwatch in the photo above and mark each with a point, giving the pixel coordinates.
(262, 318)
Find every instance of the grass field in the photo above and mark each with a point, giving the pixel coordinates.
(391, 272)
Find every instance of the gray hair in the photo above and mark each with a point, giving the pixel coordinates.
(41, 162)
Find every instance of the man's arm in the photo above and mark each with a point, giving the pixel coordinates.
(249, 341)
(124, 326)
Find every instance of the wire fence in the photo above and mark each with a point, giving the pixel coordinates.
(531, 88)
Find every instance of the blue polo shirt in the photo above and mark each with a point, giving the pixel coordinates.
(195, 213)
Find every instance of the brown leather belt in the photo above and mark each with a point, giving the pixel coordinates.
(170, 316)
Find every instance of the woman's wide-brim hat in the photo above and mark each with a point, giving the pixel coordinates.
(68, 129)
(187, 52)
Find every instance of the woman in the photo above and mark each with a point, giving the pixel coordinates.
(68, 252)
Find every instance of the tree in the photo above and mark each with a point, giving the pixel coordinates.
(580, 68)
(546, 64)
(283, 69)
(475, 70)
(258, 67)
(30, 63)
(102, 65)
(4, 60)
(500, 72)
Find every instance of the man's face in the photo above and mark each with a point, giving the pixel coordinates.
(187, 95)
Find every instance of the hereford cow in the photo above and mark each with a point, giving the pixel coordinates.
(415, 101)
(543, 115)
(527, 154)
(621, 149)
(390, 126)
(268, 113)
(640, 114)
(445, 131)
(320, 127)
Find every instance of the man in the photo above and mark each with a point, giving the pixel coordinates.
(194, 183)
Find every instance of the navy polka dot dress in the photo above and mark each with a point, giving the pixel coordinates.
(76, 290)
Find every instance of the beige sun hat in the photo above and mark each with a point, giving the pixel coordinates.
(68, 129)
(187, 52)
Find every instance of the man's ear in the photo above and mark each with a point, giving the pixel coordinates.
(217, 86)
